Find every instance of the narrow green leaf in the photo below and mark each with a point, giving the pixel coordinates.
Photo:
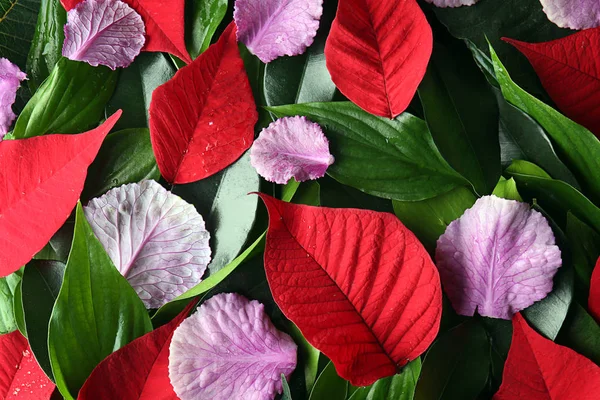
(308, 356)
(206, 15)
(287, 395)
(397, 387)
(329, 386)
(19, 315)
(8, 287)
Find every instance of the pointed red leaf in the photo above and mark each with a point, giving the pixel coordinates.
(41, 179)
(594, 299)
(569, 69)
(20, 375)
(377, 53)
(203, 119)
(539, 369)
(164, 20)
(137, 371)
(357, 283)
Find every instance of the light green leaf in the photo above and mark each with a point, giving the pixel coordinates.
(206, 15)
(397, 387)
(287, 395)
(507, 189)
(8, 287)
(19, 315)
(329, 385)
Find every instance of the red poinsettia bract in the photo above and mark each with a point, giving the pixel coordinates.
(594, 298)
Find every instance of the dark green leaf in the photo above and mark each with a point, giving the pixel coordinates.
(397, 387)
(8, 287)
(500, 336)
(59, 246)
(329, 385)
(206, 15)
(585, 250)
(581, 333)
(393, 159)
(71, 100)
(96, 313)
(41, 285)
(336, 195)
(457, 365)
(19, 315)
(308, 356)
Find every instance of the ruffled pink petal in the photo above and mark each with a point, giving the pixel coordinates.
(574, 14)
(274, 28)
(10, 80)
(498, 258)
(452, 3)
(229, 350)
(103, 32)
(155, 239)
(291, 147)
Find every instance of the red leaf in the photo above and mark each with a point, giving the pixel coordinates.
(164, 20)
(139, 370)
(377, 53)
(203, 119)
(569, 69)
(594, 299)
(357, 283)
(538, 368)
(20, 375)
(40, 181)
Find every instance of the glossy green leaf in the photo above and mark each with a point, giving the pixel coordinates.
(308, 356)
(46, 47)
(41, 284)
(451, 90)
(336, 195)
(96, 313)
(205, 15)
(585, 250)
(125, 157)
(71, 100)
(581, 333)
(393, 159)
(397, 387)
(329, 385)
(499, 333)
(457, 365)
(8, 287)
(18, 313)
(59, 246)
(507, 189)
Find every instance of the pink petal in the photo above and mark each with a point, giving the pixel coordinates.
(10, 80)
(498, 258)
(154, 238)
(230, 350)
(274, 28)
(291, 147)
(105, 32)
(574, 14)
(452, 3)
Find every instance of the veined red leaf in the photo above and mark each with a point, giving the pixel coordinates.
(594, 299)
(20, 375)
(40, 181)
(569, 69)
(539, 369)
(139, 370)
(203, 119)
(377, 53)
(164, 20)
(357, 283)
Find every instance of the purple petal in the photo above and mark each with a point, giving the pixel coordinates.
(274, 28)
(229, 350)
(498, 258)
(106, 32)
(291, 147)
(452, 3)
(154, 238)
(10, 80)
(574, 14)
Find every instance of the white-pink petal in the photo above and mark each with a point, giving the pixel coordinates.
(10, 80)
(274, 28)
(574, 14)
(452, 3)
(291, 147)
(155, 239)
(229, 349)
(103, 32)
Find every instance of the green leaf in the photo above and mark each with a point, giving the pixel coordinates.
(450, 91)
(206, 15)
(393, 159)
(46, 47)
(579, 146)
(308, 356)
(428, 219)
(8, 287)
(507, 189)
(96, 313)
(500, 337)
(125, 157)
(397, 387)
(71, 100)
(329, 385)
(585, 251)
(287, 395)
(581, 333)
(41, 284)
(336, 195)
(19, 315)
(457, 365)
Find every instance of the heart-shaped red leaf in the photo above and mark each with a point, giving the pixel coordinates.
(139, 370)
(40, 181)
(20, 375)
(203, 119)
(569, 69)
(539, 369)
(594, 298)
(357, 283)
(377, 53)
(164, 20)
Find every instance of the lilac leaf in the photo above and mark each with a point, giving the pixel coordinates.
(155, 239)
(103, 32)
(274, 28)
(498, 258)
(574, 14)
(452, 3)
(10, 80)
(229, 349)
(291, 147)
